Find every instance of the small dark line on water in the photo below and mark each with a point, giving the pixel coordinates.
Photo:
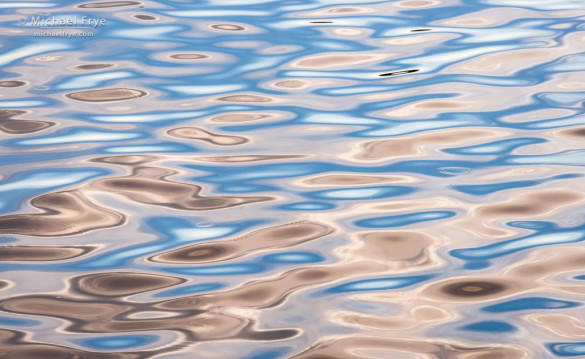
(403, 72)
(321, 22)
(420, 30)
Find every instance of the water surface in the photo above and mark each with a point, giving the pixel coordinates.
(292, 179)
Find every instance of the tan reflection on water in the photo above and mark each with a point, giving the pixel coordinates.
(245, 98)
(393, 247)
(17, 345)
(418, 3)
(242, 117)
(189, 56)
(96, 307)
(128, 160)
(483, 218)
(253, 310)
(351, 180)
(93, 66)
(228, 27)
(150, 185)
(359, 347)
(107, 4)
(559, 324)
(12, 83)
(12, 124)
(119, 284)
(63, 214)
(204, 135)
(577, 132)
(145, 17)
(420, 144)
(336, 61)
(275, 237)
(106, 95)
(42, 253)
(247, 158)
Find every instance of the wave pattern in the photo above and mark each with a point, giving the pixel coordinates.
(293, 179)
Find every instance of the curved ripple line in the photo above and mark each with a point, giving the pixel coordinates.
(515, 245)
(403, 219)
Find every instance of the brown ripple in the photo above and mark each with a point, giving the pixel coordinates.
(107, 95)
(245, 98)
(468, 289)
(268, 293)
(197, 133)
(247, 158)
(149, 185)
(51, 306)
(525, 205)
(344, 180)
(532, 204)
(41, 253)
(559, 324)
(9, 114)
(508, 63)
(392, 246)
(12, 83)
(241, 117)
(64, 213)
(125, 160)
(106, 316)
(335, 61)
(268, 335)
(415, 144)
(191, 56)
(228, 27)
(3, 284)
(353, 347)
(291, 84)
(417, 3)
(116, 284)
(9, 123)
(346, 10)
(473, 289)
(93, 66)
(14, 346)
(145, 17)
(106, 4)
(283, 236)
(578, 132)
(24, 126)
(542, 263)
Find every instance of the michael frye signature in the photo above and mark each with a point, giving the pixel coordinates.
(70, 21)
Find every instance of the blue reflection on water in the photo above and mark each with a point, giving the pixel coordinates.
(404, 219)
(530, 303)
(119, 342)
(18, 322)
(567, 349)
(549, 235)
(380, 284)
(293, 257)
(490, 326)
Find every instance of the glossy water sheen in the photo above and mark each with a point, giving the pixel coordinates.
(319, 179)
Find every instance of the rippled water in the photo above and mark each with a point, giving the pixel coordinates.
(320, 179)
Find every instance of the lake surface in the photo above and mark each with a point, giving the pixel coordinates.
(319, 179)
